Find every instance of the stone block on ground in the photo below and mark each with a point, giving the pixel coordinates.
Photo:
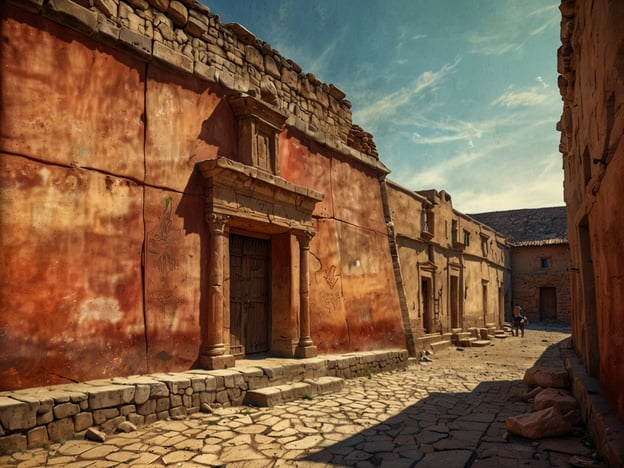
(548, 422)
(547, 377)
(560, 399)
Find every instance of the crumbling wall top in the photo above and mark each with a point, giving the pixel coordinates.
(186, 37)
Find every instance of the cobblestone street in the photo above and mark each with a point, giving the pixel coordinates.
(449, 412)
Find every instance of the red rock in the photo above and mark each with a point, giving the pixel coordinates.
(549, 422)
(560, 399)
(547, 377)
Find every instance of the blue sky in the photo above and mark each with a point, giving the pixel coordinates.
(460, 95)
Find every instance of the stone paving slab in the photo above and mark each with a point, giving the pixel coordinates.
(450, 415)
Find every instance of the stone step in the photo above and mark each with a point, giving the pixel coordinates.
(272, 396)
(467, 342)
(501, 336)
(481, 343)
(440, 345)
(461, 335)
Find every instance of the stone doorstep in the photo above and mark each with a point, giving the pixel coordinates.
(272, 396)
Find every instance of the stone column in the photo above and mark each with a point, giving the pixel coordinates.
(212, 354)
(305, 348)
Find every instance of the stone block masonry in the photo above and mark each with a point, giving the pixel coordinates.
(34, 417)
(187, 38)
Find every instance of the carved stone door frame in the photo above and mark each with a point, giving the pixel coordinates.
(248, 199)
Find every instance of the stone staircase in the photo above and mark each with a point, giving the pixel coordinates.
(475, 337)
(434, 342)
(271, 396)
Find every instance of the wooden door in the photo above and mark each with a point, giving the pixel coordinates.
(425, 291)
(455, 302)
(249, 295)
(548, 304)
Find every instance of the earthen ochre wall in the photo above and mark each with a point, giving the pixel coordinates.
(591, 64)
(105, 113)
(437, 254)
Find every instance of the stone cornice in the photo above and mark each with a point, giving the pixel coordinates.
(251, 195)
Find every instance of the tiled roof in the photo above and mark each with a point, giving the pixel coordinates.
(530, 226)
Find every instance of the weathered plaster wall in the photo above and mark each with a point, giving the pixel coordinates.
(71, 290)
(591, 64)
(437, 254)
(104, 240)
(529, 276)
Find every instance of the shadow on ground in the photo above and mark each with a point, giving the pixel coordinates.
(459, 429)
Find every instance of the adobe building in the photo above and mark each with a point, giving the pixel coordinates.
(591, 66)
(452, 272)
(540, 259)
(176, 194)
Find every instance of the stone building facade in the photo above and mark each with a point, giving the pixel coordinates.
(540, 259)
(176, 194)
(452, 270)
(591, 82)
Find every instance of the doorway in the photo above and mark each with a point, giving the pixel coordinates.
(249, 295)
(548, 303)
(425, 291)
(455, 302)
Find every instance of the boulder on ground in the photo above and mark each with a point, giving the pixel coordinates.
(547, 377)
(560, 399)
(549, 422)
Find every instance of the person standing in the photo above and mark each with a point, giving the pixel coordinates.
(518, 321)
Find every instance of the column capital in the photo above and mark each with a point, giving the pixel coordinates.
(305, 237)
(217, 221)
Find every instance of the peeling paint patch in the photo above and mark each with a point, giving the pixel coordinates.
(102, 308)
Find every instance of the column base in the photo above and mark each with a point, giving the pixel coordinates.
(306, 352)
(222, 361)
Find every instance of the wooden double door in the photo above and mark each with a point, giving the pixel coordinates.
(249, 295)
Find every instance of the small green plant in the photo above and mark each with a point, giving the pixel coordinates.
(368, 372)
(306, 396)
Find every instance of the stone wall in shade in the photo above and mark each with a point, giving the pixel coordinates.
(591, 66)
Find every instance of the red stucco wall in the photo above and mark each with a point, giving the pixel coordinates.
(103, 269)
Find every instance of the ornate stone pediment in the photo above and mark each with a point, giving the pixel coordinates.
(256, 199)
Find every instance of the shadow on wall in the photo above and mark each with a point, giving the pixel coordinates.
(177, 251)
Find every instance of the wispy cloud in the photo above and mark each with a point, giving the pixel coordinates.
(529, 97)
(492, 44)
(390, 103)
(446, 131)
(512, 32)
